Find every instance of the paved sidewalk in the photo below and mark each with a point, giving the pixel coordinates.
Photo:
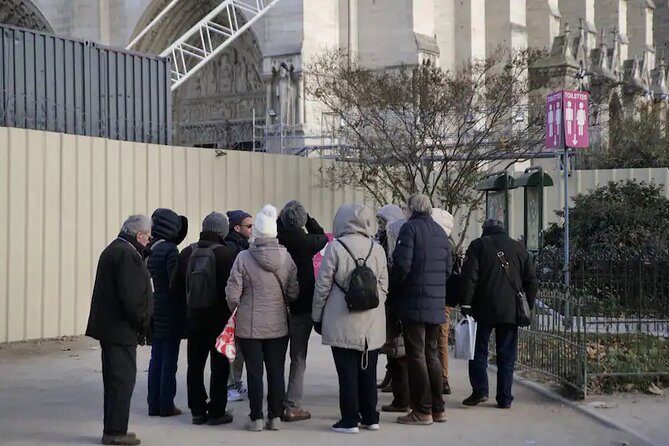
(51, 394)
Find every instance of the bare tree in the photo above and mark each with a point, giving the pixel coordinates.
(412, 129)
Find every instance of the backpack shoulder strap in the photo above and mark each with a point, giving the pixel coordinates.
(371, 248)
(348, 250)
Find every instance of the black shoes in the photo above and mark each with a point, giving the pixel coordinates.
(226, 418)
(475, 400)
(128, 439)
(447, 388)
(199, 419)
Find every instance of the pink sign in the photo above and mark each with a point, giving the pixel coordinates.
(567, 120)
(318, 258)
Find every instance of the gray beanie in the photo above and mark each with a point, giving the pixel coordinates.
(216, 223)
(420, 203)
(293, 215)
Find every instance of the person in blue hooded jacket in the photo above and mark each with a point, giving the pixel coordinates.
(169, 312)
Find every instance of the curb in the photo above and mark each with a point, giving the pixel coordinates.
(592, 413)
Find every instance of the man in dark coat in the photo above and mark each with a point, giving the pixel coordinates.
(205, 324)
(421, 266)
(119, 319)
(488, 295)
(169, 312)
(302, 246)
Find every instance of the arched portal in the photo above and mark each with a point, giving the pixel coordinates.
(214, 108)
(25, 14)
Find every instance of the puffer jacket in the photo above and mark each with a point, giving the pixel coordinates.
(364, 330)
(421, 266)
(169, 314)
(255, 285)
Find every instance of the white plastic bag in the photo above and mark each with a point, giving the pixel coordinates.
(465, 338)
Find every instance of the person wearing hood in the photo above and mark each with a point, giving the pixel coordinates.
(385, 216)
(354, 336)
(302, 246)
(241, 229)
(421, 266)
(207, 314)
(262, 283)
(445, 219)
(169, 312)
(119, 319)
(489, 295)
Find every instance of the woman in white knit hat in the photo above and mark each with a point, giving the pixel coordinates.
(262, 282)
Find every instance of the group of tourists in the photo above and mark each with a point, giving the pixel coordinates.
(390, 293)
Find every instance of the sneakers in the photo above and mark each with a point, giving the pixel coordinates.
(273, 424)
(295, 414)
(439, 417)
(474, 400)
(199, 419)
(253, 425)
(241, 388)
(391, 408)
(371, 427)
(175, 412)
(127, 439)
(226, 418)
(342, 429)
(234, 395)
(416, 419)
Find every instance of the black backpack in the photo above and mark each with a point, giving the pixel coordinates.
(201, 289)
(362, 293)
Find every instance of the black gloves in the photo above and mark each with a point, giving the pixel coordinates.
(318, 327)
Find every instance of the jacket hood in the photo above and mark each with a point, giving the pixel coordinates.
(353, 218)
(167, 225)
(394, 227)
(268, 253)
(390, 213)
(493, 231)
(444, 219)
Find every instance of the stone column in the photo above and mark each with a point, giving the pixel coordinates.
(470, 40)
(612, 14)
(573, 11)
(444, 27)
(640, 26)
(505, 25)
(543, 23)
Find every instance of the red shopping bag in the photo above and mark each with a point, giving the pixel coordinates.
(225, 342)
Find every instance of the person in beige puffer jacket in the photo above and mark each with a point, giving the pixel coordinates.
(355, 337)
(262, 282)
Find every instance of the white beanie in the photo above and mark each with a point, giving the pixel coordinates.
(444, 219)
(264, 225)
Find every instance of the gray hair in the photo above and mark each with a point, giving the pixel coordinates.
(420, 203)
(136, 223)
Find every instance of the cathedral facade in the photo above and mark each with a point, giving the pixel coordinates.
(256, 86)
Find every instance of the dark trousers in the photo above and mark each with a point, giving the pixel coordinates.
(201, 344)
(506, 339)
(119, 371)
(272, 354)
(163, 375)
(357, 386)
(421, 342)
(399, 375)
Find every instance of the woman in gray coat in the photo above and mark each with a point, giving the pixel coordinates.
(355, 337)
(262, 282)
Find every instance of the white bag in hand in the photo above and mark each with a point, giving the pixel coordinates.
(465, 338)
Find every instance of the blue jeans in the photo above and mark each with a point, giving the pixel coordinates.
(162, 375)
(506, 337)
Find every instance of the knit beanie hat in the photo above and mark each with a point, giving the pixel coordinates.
(264, 225)
(237, 217)
(293, 215)
(216, 223)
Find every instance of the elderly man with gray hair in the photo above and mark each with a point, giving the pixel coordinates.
(119, 319)
(421, 266)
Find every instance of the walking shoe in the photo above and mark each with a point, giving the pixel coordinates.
(126, 440)
(475, 400)
(295, 414)
(439, 417)
(391, 408)
(447, 387)
(388, 388)
(504, 406)
(199, 419)
(234, 395)
(371, 427)
(273, 424)
(172, 413)
(241, 388)
(226, 418)
(342, 429)
(416, 419)
(253, 425)
(385, 382)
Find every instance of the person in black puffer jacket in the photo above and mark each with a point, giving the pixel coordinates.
(302, 246)
(169, 313)
(421, 266)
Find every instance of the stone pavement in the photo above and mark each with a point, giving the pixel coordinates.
(51, 394)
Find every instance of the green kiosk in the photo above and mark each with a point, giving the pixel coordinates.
(533, 181)
(496, 187)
